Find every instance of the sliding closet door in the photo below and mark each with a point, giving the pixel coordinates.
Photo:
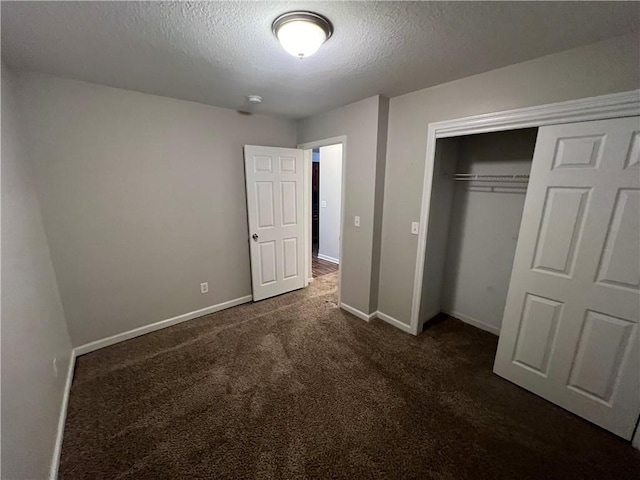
(570, 327)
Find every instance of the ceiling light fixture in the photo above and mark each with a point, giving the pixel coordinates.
(302, 33)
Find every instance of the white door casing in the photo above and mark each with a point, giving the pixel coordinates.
(570, 326)
(274, 178)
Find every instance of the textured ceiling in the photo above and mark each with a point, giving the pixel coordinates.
(219, 52)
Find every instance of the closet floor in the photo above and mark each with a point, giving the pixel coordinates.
(294, 387)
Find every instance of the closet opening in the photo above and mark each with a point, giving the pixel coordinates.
(478, 193)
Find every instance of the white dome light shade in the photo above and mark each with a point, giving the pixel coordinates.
(301, 38)
(301, 34)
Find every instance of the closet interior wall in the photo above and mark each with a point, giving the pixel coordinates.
(473, 226)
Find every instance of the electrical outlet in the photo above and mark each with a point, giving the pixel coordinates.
(55, 367)
(415, 227)
(204, 287)
(323, 204)
(356, 221)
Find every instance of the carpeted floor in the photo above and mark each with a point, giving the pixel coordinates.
(293, 387)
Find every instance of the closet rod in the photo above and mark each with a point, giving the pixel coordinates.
(470, 177)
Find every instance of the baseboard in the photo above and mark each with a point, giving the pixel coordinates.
(354, 311)
(136, 332)
(394, 321)
(328, 259)
(55, 462)
(472, 321)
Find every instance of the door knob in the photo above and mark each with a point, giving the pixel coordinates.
(255, 236)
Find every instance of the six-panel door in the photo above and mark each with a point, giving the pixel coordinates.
(274, 202)
(570, 326)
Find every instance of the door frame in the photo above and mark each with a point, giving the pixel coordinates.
(307, 161)
(624, 104)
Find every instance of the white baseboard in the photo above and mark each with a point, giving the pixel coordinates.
(55, 462)
(328, 259)
(472, 321)
(136, 332)
(394, 321)
(354, 311)
(367, 317)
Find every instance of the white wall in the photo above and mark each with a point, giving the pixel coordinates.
(33, 329)
(143, 198)
(606, 67)
(484, 227)
(330, 195)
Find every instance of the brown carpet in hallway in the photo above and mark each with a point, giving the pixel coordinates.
(293, 387)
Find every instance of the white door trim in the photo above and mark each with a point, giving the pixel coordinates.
(615, 105)
(342, 139)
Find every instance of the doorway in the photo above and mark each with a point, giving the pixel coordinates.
(326, 207)
(479, 186)
(324, 249)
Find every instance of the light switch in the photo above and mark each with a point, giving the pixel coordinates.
(415, 226)
(356, 221)
(323, 204)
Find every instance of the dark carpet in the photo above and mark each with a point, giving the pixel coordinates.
(293, 387)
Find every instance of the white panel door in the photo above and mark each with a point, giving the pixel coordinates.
(274, 179)
(570, 326)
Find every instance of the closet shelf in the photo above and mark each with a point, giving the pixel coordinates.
(473, 177)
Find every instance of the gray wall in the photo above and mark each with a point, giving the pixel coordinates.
(484, 226)
(446, 159)
(381, 162)
(33, 329)
(364, 168)
(143, 198)
(606, 67)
